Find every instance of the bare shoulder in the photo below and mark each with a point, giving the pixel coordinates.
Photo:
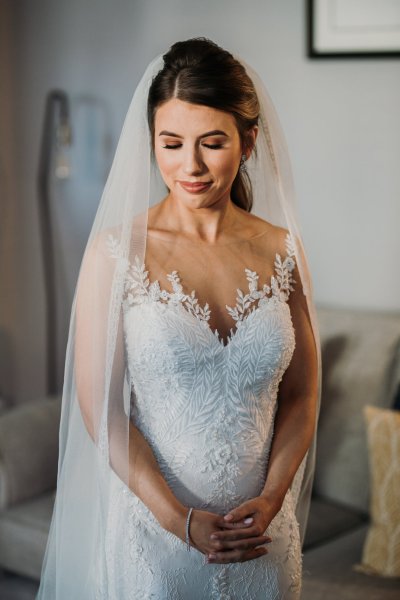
(248, 225)
(99, 242)
(252, 225)
(279, 237)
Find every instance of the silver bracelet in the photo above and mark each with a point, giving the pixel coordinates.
(187, 529)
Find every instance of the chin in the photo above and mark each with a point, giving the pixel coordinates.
(207, 199)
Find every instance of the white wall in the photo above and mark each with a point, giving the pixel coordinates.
(341, 119)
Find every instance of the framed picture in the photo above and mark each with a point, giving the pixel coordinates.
(357, 28)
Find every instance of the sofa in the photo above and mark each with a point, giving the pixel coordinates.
(28, 477)
(361, 365)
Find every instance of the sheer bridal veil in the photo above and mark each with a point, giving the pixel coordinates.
(96, 401)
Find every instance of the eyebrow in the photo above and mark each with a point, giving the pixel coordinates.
(213, 132)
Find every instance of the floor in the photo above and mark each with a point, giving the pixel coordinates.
(328, 574)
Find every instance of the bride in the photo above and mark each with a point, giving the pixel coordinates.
(192, 378)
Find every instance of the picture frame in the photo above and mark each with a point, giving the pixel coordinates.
(353, 28)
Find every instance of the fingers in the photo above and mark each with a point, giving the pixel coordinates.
(235, 555)
(246, 521)
(237, 534)
(240, 512)
(245, 544)
(238, 524)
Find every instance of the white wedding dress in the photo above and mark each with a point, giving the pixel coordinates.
(207, 409)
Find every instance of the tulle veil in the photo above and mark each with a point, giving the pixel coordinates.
(94, 427)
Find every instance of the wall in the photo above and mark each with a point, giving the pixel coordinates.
(8, 213)
(341, 120)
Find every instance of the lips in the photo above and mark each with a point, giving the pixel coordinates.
(195, 188)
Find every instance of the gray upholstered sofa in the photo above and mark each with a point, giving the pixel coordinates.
(361, 365)
(28, 476)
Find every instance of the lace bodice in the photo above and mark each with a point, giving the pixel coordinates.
(207, 409)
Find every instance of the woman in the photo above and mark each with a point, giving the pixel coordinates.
(193, 366)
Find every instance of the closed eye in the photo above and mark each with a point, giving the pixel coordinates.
(172, 147)
(175, 146)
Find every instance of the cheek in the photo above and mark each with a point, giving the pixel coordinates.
(225, 166)
(166, 162)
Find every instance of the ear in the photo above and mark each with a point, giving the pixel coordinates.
(251, 137)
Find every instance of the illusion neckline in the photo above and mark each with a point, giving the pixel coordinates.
(139, 277)
(200, 242)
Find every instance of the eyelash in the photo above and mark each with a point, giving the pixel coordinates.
(212, 146)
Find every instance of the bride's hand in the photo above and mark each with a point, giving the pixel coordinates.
(203, 524)
(237, 542)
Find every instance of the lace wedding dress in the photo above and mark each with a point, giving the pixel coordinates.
(207, 410)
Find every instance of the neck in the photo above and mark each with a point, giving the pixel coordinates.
(197, 221)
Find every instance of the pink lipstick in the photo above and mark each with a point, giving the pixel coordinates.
(195, 188)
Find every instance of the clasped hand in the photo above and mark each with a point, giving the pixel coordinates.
(235, 537)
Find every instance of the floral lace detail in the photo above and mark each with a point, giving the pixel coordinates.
(138, 288)
(281, 285)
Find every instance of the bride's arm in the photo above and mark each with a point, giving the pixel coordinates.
(295, 419)
(149, 484)
(136, 465)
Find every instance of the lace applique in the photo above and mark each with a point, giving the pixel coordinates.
(139, 289)
(281, 285)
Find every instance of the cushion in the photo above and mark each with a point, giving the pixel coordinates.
(381, 552)
(360, 365)
(29, 450)
(24, 530)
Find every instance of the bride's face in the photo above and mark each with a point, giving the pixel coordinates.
(196, 144)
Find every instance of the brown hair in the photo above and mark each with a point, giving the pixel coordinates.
(201, 72)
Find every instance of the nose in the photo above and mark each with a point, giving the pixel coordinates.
(193, 163)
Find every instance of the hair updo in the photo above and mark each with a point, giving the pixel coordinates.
(201, 72)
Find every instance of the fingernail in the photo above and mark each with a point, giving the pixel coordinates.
(212, 556)
(248, 520)
(213, 536)
(228, 517)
